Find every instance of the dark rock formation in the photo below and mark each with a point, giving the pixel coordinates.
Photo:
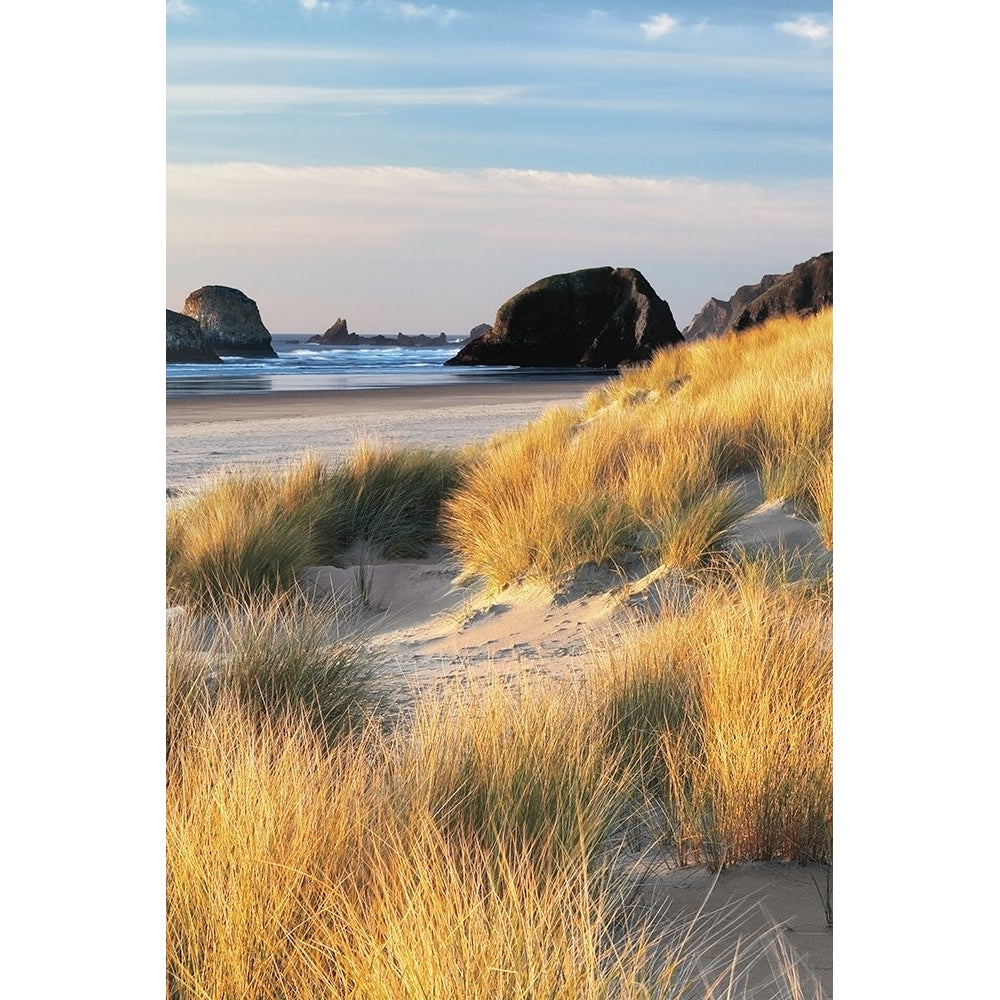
(716, 316)
(600, 317)
(479, 331)
(415, 340)
(230, 322)
(804, 290)
(337, 334)
(185, 341)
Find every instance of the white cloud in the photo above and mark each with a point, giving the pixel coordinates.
(416, 249)
(314, 4)
(397, 10)
(658, 26)
(178, 8)
(806, 27)
(218, 99)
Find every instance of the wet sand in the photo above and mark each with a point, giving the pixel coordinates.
(209, 434)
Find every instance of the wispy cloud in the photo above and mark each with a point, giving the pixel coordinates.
(658, 26)
(393, 10)
(223, 53)
(806, 27)
(178, 8)
(214, 99)
(492, 232)
(402, 11)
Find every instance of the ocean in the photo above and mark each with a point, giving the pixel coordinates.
(303, 366)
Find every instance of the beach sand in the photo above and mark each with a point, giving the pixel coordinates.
(431, 630)
(209, 434)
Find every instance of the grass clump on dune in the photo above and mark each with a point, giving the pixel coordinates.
(656, 462)
(245, 535)
(729, 706)
(273, 657)
(252, 534)
(387, 496)
(514, 774)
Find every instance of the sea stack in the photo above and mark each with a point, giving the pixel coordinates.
(336, 334)
(185, 341)
(599, 317)
(230, 322)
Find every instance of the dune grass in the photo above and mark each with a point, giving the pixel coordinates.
(470, 856)
(251, 534)
(474, 848)
(653, 463)
(515, 773)
(271, 657)
(728, 709)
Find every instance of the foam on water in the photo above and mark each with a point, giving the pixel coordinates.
(301, 366)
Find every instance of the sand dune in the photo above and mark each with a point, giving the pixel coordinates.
(433, 631)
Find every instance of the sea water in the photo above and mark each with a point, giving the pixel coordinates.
(300, 365)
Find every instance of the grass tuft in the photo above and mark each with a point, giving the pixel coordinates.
(251, 534)
(647, 464)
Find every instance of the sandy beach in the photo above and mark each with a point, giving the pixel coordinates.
(207, 434)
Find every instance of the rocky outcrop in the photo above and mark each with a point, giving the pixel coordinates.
(600, 317)
(185, 341)
(479, 330)
(230, 322)
(416, 340)
(804, 290)
(336, 335)
(716, 316)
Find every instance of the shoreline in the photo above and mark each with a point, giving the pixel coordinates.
(209, 434)
(282, 403)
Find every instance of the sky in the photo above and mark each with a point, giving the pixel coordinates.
(410, 166)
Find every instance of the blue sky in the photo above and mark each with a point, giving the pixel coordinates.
(411, 165)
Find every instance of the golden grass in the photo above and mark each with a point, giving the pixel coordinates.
(299, 869)
(247, 534)
(252, 534)
(277, 656)
(821, 493)
(646, 464)
(730, 706)
(514, 773)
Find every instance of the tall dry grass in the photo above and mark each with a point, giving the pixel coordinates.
(251, 534)
(729, 709)
(522, 773)
(300, 869)
(247, 534)
(649, 464)
(271, 657)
